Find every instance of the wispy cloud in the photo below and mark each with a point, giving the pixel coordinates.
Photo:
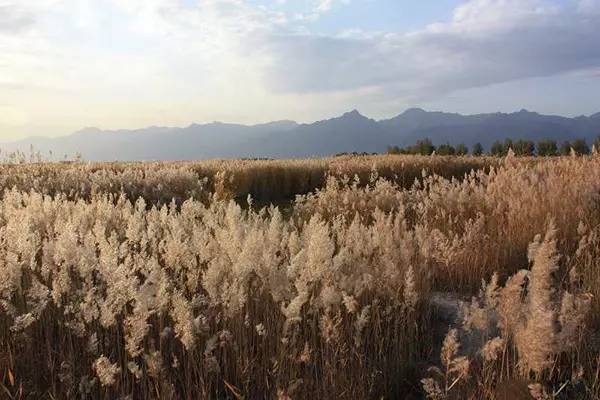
(326, 5)
(13, 19)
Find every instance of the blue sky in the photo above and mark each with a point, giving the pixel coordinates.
(370, 15)
(66, 64)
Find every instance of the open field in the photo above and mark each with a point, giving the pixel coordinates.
(343, 278)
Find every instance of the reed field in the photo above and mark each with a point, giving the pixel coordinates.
(365, 277)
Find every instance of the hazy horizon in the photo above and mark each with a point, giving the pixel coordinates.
(128, 64)
(307, 122)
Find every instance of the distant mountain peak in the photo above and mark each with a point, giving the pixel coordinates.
(88, 130)
(595, 116)
(414, 111)
(354, 113)
(195, 125)
(349, 117)
(525, 111)
(281, 122)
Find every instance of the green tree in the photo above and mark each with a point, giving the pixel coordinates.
(424, 147)
(497, 149)
(547, 148)
(477, 149)
(580, 147)
(565, 148)
(462, 149)
(446, 150)
(524, 147)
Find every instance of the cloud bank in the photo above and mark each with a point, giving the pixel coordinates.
(486, 42)
(132, 62)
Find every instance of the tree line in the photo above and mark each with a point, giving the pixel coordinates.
(521, 147)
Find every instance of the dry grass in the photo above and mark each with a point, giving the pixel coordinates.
(110, 289)
(265, 180)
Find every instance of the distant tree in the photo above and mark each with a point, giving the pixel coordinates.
(508, 144)
(393, 150)
(597, 143)
(477, 149)
(497, 149)
(524, 147)
(462, 149)
(565, 148)
(445, 150)
(547, 148)
(580, 147)
(424, 147)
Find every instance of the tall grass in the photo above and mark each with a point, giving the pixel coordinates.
(110, 289)
(265, 180)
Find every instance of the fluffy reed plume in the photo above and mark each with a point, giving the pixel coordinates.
(531, 313)
(549, 321)
(536, 336)
(107, 372)
(455, 369)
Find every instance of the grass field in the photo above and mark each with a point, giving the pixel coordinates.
(343, 278)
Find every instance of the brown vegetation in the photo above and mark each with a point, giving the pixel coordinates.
(110, 289)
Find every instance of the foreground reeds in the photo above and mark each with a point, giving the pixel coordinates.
(112, 289)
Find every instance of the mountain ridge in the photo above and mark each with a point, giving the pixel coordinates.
(349, 132)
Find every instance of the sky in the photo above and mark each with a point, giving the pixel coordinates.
(69, 64)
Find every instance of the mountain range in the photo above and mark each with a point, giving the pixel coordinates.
(350, 132)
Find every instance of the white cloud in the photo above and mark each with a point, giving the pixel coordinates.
(589, 6)
(486, 42)
(13, 19)
(326, 5)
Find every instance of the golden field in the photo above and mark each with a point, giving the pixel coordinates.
(343, 278)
